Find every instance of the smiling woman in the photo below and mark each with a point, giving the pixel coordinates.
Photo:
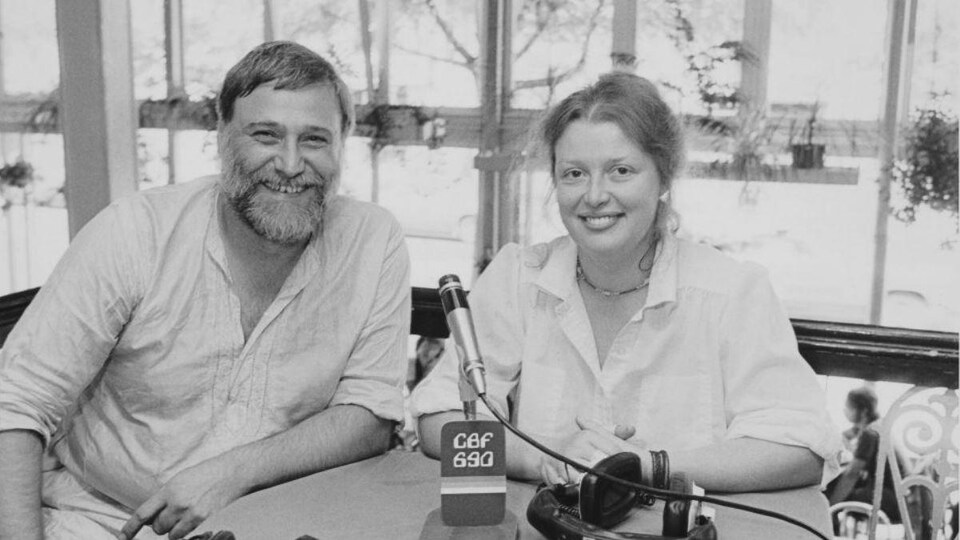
(621, 336)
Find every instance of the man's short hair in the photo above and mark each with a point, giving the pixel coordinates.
(292, 66)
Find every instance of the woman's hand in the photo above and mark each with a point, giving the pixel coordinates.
(588, 446)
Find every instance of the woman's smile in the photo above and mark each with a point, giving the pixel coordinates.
(602, 222)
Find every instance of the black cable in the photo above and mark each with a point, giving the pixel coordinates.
(659, 493)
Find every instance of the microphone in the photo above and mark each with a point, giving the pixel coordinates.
(460, 321)
(473, 481)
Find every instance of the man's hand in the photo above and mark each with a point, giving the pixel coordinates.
(589, 445)
(185, 501)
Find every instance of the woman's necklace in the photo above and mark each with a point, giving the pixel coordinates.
(606, 292)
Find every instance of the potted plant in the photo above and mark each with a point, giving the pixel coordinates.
(927, 173)
(14, 180)
(746, 137)
(808, 155)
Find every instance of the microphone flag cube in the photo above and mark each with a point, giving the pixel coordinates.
(473, 473)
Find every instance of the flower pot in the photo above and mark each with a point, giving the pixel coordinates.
(808, 156)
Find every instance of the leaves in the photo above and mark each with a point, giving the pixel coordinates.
(928, 171)
(17, 174)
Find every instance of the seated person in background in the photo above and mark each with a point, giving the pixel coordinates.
(428, 353)
(623, 337)
(204, 340)
(858, 478)
(860, 408)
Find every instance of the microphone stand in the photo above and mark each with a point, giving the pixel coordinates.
(468, 396)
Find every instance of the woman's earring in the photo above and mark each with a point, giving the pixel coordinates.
(664, 196)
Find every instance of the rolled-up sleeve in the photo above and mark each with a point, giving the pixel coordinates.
(376, 370)
(69, 329)
(770, 392)
(498, 321)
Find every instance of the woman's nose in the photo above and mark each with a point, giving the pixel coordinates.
(597, 193)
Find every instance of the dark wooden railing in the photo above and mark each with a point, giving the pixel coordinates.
(861, 351)
(920, 357)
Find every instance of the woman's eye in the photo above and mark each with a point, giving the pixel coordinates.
(621, 170)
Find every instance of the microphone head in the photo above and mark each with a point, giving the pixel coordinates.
(452, 295)
(452, 280)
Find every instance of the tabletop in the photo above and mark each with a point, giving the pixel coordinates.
(392, 495)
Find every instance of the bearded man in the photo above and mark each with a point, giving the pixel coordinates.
(201, 341)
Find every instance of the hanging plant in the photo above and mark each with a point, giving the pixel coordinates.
(17, 174)
(14, 180)
(927, 174)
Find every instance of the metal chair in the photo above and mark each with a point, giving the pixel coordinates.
(923, 424)
(853, 519)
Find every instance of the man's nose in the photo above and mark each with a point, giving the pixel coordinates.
(289, 161)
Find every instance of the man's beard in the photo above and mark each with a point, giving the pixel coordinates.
(283, 222)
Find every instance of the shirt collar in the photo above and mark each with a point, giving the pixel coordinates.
(559, 263)
(663, 276)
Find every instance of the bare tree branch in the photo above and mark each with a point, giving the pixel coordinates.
(552, 80)
(433, 57)
(543, 19)
(447, 31)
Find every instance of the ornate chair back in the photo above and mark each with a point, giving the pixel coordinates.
(922, 425)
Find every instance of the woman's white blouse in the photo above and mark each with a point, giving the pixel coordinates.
(711, 355)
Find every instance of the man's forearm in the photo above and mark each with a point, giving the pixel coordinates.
(20, 516)
(336, 436)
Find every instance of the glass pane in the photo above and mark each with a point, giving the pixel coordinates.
(216, 35)
(33, 220)
(558, 48)
(561, 47)
(936, 57)
(149, 58)
(331, 28)
(674, 37)
(31, 62)
(814, 60)
(921, 289)
(435, 57)
(433, 193)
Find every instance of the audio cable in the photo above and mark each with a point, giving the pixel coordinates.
(662, 494)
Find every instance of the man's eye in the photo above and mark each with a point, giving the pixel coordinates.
(265, 136)
(572, 175)
(316, 140)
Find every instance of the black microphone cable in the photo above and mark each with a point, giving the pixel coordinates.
(663, 494)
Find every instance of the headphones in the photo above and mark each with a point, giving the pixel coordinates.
(574, 512)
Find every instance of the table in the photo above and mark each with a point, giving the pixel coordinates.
(390, 496)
